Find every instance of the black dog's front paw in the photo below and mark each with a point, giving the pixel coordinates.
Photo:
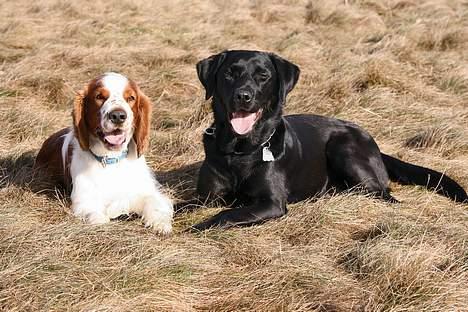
(218, 221)
(196, 228)
(202, 226)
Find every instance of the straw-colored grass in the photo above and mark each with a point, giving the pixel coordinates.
(396, 67)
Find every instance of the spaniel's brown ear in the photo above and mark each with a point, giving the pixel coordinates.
(142, 122)
(79, 121)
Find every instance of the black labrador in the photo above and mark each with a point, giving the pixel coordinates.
(258, 160)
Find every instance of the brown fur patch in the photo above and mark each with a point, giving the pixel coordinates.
(86, 115)
(79, 121)
(142, 112)
(49, 159)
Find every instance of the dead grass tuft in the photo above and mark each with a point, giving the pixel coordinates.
(312, 13)
(402, 275)
(8, 93)
(381, 74)
(455, 84)
(21, 124)
(444, 140)
(442, 39)
(53, 90)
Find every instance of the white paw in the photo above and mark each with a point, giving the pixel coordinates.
(96, 218)
(160, 227)
(158, 218)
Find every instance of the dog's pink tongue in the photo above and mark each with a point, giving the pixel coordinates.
(242, 122)
(115, 139)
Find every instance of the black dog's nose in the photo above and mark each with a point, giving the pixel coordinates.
(243, 96)
(117, 116)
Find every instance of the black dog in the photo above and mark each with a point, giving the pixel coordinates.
(259, 160)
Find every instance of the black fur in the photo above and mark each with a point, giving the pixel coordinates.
(313, 154)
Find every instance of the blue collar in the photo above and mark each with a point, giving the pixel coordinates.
(104, 160)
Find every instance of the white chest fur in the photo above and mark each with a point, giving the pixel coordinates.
(101, 193)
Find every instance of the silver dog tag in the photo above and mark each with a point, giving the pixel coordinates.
(267, 155)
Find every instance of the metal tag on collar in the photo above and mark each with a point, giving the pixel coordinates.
(267, 155)
(104, 161)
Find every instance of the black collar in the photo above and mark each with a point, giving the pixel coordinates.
(211, 131)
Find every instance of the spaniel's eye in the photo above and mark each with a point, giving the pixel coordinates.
(99, 96)
(131, 98)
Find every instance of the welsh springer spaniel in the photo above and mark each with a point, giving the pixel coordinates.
(101, 158)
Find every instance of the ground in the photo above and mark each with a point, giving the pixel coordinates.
(399, 68)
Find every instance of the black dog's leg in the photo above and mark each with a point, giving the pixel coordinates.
(257, 212)
(212, 188)
(199, 201)
(355, 160)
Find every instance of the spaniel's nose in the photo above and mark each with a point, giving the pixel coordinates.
(117, 116)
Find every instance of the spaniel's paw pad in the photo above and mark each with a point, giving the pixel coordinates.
(158, 221)
(96, 218)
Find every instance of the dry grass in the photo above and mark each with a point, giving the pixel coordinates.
(397, 67)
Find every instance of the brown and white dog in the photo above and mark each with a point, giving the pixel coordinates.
(101, 158)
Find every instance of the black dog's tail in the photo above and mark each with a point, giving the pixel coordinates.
(406, 173)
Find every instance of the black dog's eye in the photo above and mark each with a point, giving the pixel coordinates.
(228, 75)
(260, 77)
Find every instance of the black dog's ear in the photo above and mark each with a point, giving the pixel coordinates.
(207, 69)
(288, 74)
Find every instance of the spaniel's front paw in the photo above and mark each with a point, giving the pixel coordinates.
(96, 218)
(158, 216)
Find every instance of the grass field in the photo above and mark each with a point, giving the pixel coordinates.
(399, 68)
